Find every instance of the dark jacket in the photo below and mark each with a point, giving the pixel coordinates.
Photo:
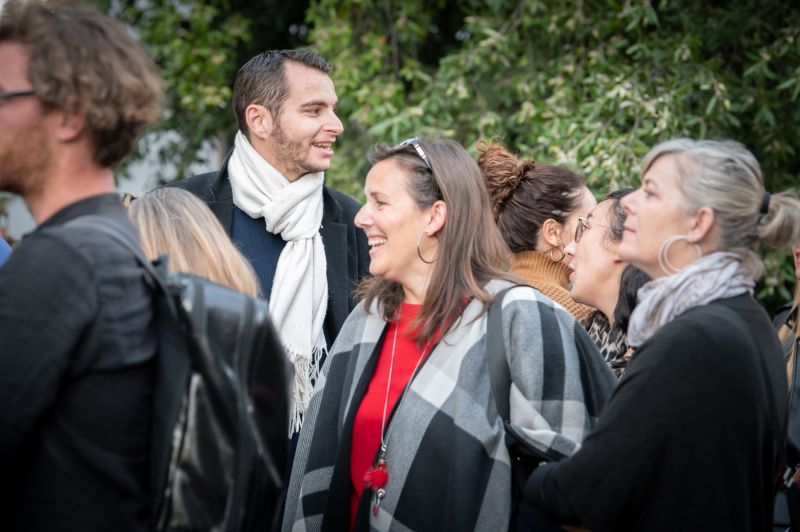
(346, 248)
(787, 501)
(77, 347)
(693, 436)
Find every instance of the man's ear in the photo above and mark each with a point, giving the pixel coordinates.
(702, 225)
(259, 120)
(70, 125)
(551, 233)
(438, 212)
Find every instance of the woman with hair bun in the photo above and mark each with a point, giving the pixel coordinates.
(693, 437)
(536, 208)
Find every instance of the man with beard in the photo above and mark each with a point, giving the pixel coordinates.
(77, 343)
(270, 196)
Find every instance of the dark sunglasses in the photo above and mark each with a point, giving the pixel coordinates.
(15, 94)
(414, 141)
(583, 225)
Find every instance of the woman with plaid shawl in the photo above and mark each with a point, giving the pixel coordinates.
(403, 432)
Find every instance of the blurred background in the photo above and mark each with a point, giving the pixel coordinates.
(589, 84)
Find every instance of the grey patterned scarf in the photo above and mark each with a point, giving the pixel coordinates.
(718, 275)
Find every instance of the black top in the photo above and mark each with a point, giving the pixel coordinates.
(692, 438)
(788, 315)
(346, 249)
(76, 352)
(262, 248)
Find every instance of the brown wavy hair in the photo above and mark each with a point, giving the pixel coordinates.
(174, 222)
(82, 61)
(525, 194)
(471, 249)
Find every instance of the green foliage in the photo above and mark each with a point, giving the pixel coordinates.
(195, 45)
(199, 46)
(589, 84)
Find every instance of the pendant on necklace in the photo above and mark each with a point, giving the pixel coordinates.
(377, 476)
(379, 495)
(376, 479)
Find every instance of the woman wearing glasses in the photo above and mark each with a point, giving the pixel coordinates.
(537, 207)
(403, 431)
(693, 437)
(601, 280)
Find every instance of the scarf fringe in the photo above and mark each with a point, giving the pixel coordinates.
(306, 374)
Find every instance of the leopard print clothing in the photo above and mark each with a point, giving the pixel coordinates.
(611, 340)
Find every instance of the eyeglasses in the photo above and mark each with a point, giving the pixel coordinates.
(414, 141)
(583, 225)
(8, 95)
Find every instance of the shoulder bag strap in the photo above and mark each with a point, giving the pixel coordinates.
(172, 367)
(110, 228)
(499, 371)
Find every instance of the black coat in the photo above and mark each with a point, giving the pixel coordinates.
(692, 438)
(346, 248)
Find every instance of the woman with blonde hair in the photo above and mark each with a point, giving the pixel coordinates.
(786, 323)
(174, 222)
(693, 437)
(786, 320)
(536, 207)
(403, 431)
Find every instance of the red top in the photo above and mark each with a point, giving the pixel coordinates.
(367, 423)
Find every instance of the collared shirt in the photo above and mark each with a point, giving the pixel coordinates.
(76, 377)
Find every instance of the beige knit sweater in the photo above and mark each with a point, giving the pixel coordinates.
(552, 278)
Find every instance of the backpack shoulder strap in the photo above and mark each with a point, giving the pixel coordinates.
(499, 371)
(112, 229)
(173, 365)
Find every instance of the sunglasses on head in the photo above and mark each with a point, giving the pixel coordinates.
(414, 141)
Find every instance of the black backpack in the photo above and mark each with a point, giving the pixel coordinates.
(221, 403)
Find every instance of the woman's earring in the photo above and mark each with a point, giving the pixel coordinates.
(419, 253)
(663, 254)
(550, 254)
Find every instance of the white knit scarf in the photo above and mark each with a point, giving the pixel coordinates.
(299, 296)
(718, 275)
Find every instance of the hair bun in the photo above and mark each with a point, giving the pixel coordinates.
(503, 172)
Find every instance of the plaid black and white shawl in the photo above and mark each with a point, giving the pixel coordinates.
(449, 467)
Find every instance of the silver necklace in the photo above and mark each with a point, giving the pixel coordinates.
(378, 476)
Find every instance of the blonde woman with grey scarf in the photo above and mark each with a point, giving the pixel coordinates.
(692, 438)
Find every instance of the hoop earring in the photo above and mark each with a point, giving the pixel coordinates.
(663, 254)
(550, 254)
(419, 253)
